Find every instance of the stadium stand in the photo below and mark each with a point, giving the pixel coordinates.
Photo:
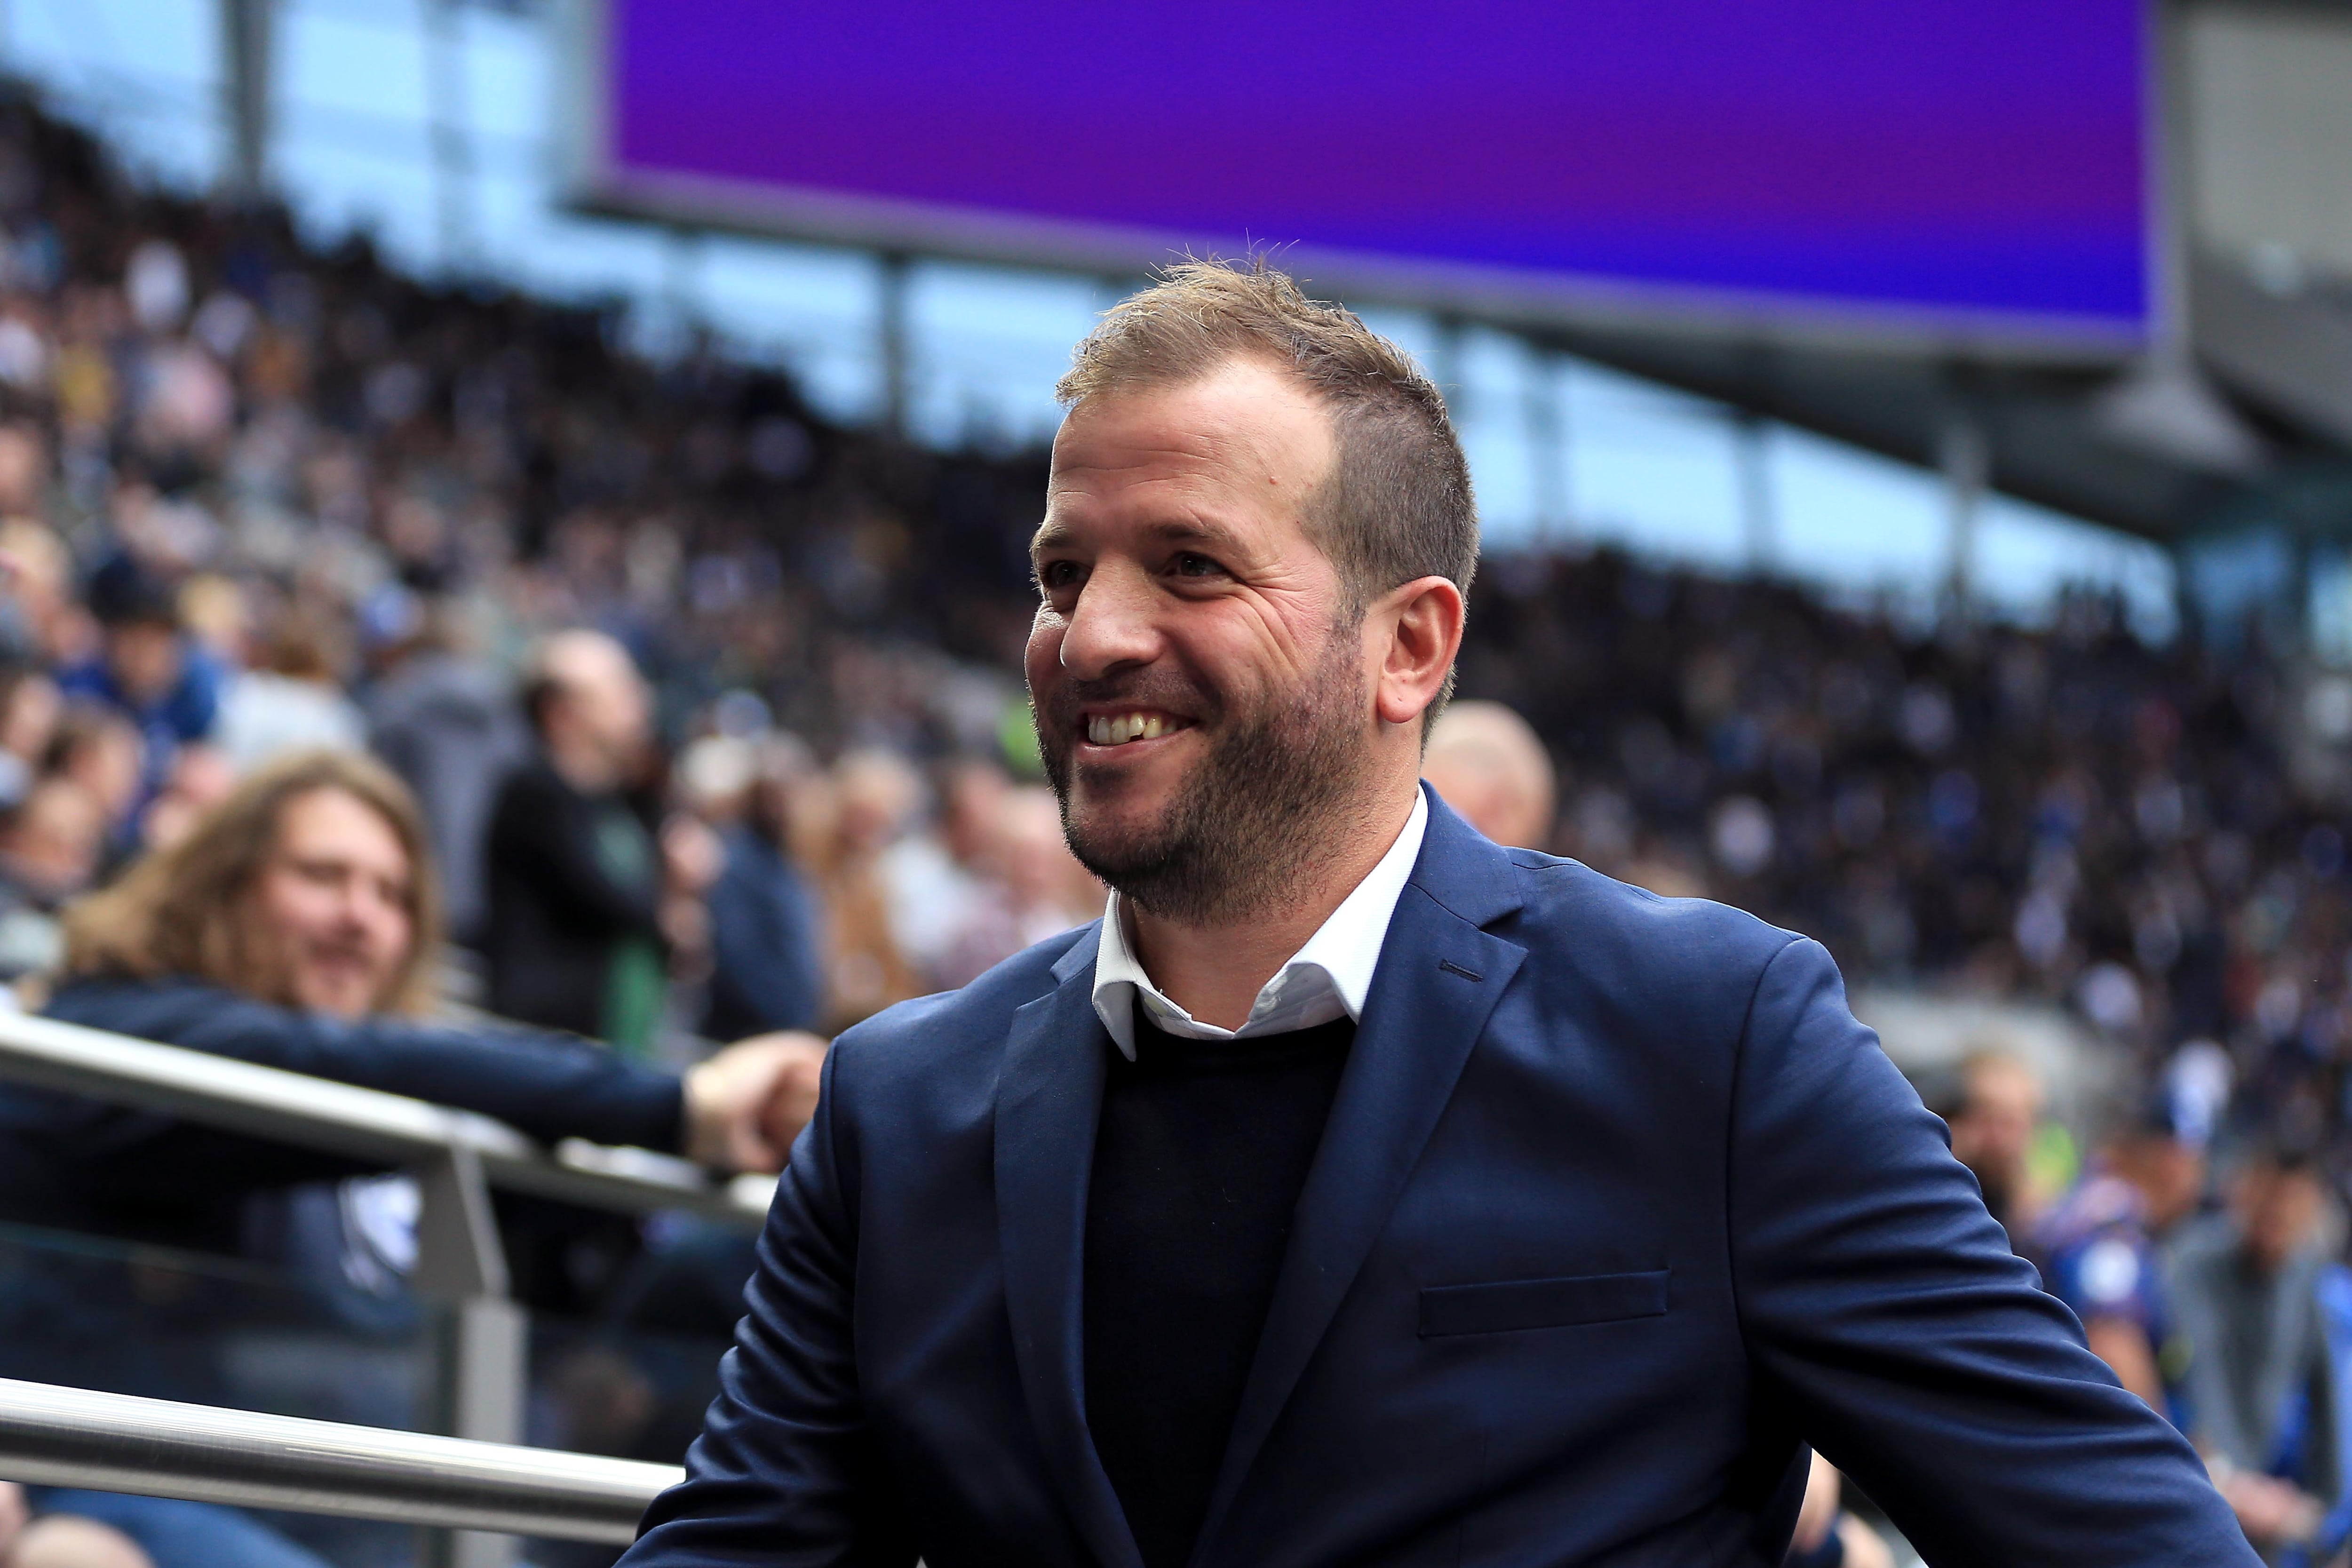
(255, 495)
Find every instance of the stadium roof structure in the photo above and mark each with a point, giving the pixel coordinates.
(2253, 422)
(2097, 257)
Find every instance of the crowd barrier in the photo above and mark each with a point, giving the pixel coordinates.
(154, 1448)
(458, 1157)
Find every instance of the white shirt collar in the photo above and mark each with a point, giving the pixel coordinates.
(1328, 978)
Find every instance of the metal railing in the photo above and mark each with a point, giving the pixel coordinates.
(458, 1157)
(344, 1118)
(154, 1448)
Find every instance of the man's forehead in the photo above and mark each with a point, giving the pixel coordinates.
(1244, 430)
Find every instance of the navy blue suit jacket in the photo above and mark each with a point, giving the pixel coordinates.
(1616, 1208)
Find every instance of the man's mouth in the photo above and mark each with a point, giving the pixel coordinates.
(1120, 728)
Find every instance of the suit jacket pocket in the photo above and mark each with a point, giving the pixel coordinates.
(1512, 1304)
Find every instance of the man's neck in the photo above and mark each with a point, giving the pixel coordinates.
(1215, 971)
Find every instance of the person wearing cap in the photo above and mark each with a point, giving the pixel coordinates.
(2100, 1242)
(146, 668)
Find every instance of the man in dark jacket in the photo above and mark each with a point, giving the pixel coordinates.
(575, 869)
(296, 926)
(767, 928)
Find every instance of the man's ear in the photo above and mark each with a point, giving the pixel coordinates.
(1418, 626)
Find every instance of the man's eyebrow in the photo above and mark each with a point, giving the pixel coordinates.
(1052, 536)
(1049, 536)
(1195, 531)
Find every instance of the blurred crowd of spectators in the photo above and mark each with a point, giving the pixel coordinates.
(255, 498)
(2069, 814)
(713, 712)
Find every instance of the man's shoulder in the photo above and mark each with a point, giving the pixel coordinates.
(965, 1026)
(528, 793)
(1569, 908)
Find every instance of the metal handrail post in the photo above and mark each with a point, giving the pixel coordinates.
(483, 1365)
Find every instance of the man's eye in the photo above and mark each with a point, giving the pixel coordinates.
(1191, 565)
(1055, 575)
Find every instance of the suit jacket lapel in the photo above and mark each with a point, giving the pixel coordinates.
(1440, 977)
(1048, 1102)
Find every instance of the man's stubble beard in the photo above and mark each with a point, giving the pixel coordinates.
(1248, 821)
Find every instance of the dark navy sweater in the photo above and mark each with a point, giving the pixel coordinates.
(1201, 1151)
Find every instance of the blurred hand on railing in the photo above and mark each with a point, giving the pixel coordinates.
(745, 1105)
(59, 1540)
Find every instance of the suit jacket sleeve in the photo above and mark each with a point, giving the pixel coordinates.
(785, 1472)
(1881, 1302)
(550, 1086)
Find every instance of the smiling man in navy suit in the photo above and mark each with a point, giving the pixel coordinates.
(1357, 1191)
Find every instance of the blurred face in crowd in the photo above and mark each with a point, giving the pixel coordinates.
(51, 842)
(1198, 676)
(24, 468)
(29, 716)
(145, 659)
(2278, 1213)
(1993, 1130)
(600, 712)
(104, 759)
(332, 904)
(2169, 1174)
(876, 793)
(974, 798)
(1486, 763)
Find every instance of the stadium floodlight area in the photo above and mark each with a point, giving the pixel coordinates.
(1953, 172)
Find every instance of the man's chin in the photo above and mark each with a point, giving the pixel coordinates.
(1113, 840)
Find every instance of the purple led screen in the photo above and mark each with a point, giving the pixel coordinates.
(1939, 159)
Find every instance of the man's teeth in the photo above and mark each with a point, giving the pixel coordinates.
(1118, 730)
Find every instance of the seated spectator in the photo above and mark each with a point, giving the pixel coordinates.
(1034, 888)
(199, 778)
(2101, 1242)
(874, 794)
(98, 749)
(50, 849)
(767, 928)
(40, 618)
(1486, 763)
(291, 701)
(146, 669)
(30, 707)
(1992, 1125)
(447, 723)
(575, 868)
(296, 926)
(2260, 1400)
(49, 845)
(938, 879)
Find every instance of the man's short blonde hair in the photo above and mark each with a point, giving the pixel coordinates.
(1397, 503)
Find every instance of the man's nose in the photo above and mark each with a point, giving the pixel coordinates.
(1112, 625)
